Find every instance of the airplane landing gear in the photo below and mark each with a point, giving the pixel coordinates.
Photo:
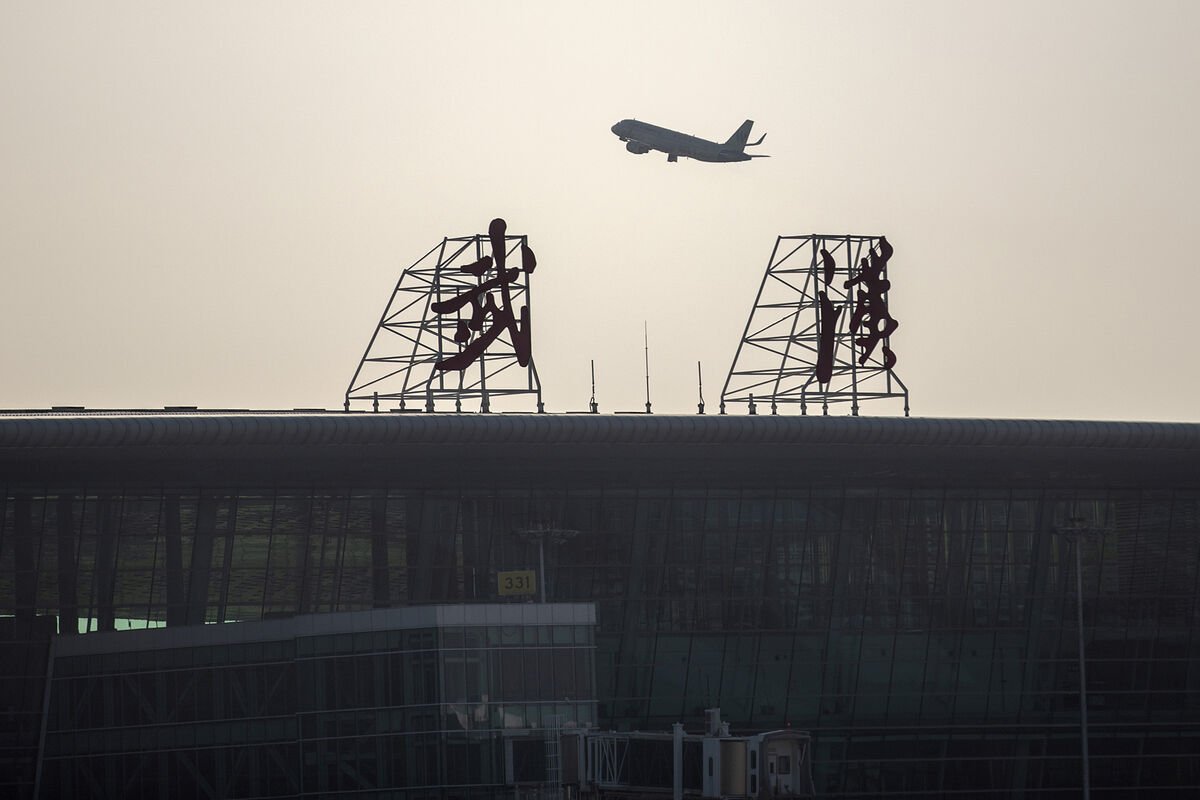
(671, 157)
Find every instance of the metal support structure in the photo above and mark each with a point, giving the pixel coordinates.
(606, 759)
(1076, 531)
(553, 755)
(411, 338)
(1083, 723)
(807, 302)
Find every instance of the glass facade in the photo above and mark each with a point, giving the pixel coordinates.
(374, 708)
(921, 624)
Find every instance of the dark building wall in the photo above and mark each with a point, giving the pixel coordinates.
(901, 588)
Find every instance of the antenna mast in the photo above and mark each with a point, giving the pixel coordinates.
(646, 340)
(593, 407)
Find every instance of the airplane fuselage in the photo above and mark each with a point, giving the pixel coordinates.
(642, 137)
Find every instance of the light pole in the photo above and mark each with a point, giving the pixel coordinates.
(542, 533)
(1075, 531)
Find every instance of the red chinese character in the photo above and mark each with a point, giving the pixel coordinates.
(488, 319)
(870, 308)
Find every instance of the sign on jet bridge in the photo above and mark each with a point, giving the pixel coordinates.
(516, 582)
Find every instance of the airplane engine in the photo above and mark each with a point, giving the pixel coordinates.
(635, 147)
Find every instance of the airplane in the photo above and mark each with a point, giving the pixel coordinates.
(642, 137)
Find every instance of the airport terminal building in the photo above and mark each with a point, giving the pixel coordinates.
(905, 590)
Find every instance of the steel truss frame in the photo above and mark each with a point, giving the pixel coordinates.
(607, 761)
(398, 365)
(776, 359)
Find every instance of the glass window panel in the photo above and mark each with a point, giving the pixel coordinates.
(512, 674)
(545, 689)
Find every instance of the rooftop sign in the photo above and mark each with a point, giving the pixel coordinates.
(820, 329)
(456, 329)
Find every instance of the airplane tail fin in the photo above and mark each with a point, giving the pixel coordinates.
(740, 137)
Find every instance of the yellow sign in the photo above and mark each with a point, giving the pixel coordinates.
(516, 582)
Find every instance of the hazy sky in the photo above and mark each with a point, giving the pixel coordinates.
(209, 203)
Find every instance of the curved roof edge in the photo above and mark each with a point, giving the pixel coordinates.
(33, 431)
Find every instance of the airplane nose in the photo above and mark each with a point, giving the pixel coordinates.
(614, 128)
